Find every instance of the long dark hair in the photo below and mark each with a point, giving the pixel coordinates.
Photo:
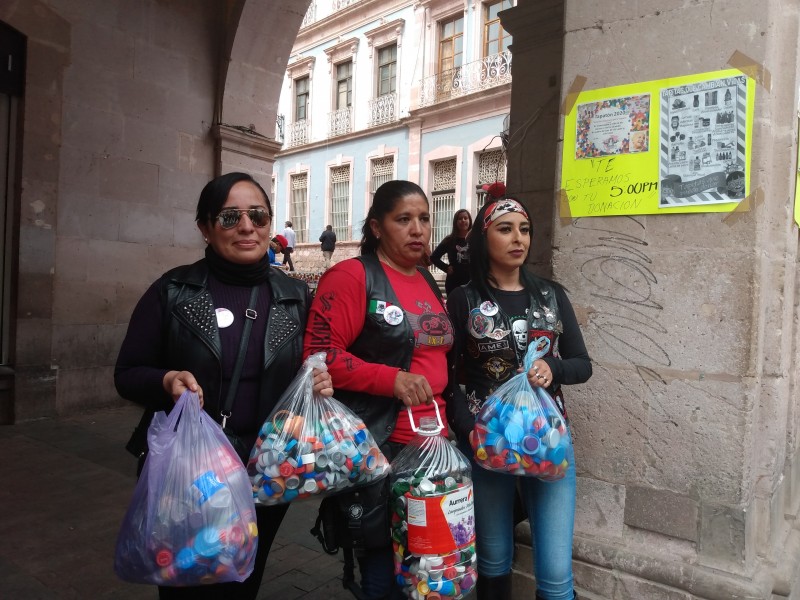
(453, 236)
(480, 275)
(216, 191)
(386, 198)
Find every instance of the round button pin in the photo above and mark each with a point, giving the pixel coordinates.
(224, 318)
(393, 315)
(489, 308)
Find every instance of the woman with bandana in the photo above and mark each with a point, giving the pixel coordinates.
(494, 316)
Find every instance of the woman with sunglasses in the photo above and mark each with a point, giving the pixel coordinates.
(186, 330)
(502, 307)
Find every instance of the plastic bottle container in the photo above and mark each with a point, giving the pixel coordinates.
(433, 517)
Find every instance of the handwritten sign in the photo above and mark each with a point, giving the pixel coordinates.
(674, 145)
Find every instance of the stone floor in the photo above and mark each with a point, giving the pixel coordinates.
(66, 484)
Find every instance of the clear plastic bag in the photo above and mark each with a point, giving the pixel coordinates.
(191, 520)
(519, 429)
(433, 516)
(311, 445)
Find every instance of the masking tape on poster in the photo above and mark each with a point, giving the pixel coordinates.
(750, 203)
(572, 94)
(751, 68)
(564, 213)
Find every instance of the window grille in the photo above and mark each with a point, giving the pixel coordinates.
(339, 217)
(443, 199)
(382, 171)
(491, 166)
(299, 207)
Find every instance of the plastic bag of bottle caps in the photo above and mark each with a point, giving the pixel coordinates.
(311, 445)
(519, 429)
(433, 517)
(191, 520)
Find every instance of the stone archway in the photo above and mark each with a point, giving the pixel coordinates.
(260, 38)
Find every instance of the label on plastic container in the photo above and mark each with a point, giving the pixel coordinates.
(441, 524)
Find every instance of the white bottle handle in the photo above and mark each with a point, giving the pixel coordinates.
(415, 429)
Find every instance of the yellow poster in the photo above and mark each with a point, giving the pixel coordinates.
(675, 145)
(797, 177)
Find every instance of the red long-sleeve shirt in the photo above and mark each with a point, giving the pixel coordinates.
(339, 309)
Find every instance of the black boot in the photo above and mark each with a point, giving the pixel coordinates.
(494, 588)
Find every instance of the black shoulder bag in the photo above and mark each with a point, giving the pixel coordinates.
(137, 444)
(237, 442)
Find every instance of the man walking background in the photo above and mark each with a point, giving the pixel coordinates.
(328, 243)
(288, 233)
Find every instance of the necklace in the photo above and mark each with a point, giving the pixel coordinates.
(516, 288)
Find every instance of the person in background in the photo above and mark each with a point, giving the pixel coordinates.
(276, 247)
(456, 248)
(291, 239)
(503, 296)
(185, 332)
(328, 243)
(382, 322)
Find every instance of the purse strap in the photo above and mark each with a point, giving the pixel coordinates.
(250, 316)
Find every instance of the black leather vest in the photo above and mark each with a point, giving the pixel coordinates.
(491, 360)
(380, 343)
(193, 341)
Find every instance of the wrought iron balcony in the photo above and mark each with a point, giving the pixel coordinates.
(383, 109)
(470, 78)
(340, 121)
(280, 128)
(299, 133)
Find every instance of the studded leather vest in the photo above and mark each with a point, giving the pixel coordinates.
(491, 357)
(193, 338)
(384, 344)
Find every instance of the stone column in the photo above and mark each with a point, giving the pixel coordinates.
(686, 435)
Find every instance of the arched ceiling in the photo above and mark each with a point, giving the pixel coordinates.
(260, 38)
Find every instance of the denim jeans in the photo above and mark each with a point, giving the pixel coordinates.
(377, 575)
(550, 506)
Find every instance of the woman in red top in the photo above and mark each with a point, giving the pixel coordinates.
(382, 322)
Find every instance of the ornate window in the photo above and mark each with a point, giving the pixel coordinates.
(339, 215)
(299, 74)
(451, 43)
(344, 85)
(381, 171)
(298, 209)
(387, 39)
(387, 70)
(443, 199)
(491, 166)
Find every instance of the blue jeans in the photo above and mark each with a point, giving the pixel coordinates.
(377, 575)
(550, 506)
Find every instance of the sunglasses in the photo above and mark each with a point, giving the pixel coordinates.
(230, 217)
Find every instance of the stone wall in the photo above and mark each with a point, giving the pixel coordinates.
(686, 434)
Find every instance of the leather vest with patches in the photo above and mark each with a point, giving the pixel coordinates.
(491, 357)
(380, 343)
(193, 341)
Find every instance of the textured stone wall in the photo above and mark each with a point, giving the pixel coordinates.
(686, 434)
